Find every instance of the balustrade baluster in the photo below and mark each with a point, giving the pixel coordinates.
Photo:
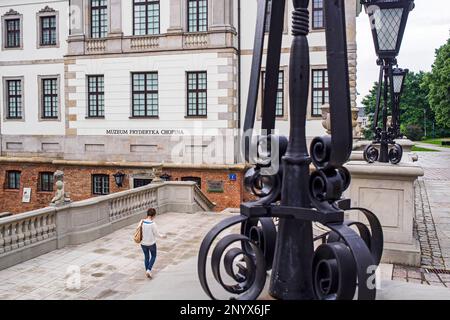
(8, 237)
(45, 220)
(20, 233)
(33, 235)
(2, 239)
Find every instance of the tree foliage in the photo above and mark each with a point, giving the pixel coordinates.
(425, 104)
(414, 106)
(438, 84)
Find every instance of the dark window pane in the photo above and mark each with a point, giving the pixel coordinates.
(318, 14)
(12, 180)
(279, 111)
(145, 94)
(46, 181)
(197, 87)
(320, 92)
(14, 99)
(197, 15)
(100, 184)
(48, 31)
(99, 18)
(146, 17)
(50, 98)
(96, 96)
(13, 33)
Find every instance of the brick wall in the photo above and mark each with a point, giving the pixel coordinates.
(78, 183)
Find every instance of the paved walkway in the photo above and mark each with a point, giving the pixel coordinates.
(433, 221)
(112, 267)
(108, 268)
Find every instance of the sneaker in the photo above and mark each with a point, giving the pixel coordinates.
(148, 274)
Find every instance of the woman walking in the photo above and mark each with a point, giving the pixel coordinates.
(148, 243)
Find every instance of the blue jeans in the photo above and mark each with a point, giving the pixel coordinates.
(149, 262)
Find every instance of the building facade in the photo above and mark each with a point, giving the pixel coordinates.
(98, 87)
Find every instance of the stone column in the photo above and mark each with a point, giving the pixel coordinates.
(76, 37)
(176, 16)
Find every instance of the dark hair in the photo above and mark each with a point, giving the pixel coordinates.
(151, 212)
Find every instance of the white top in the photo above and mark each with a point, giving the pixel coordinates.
(149, 233)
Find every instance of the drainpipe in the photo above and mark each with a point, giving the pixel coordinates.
(239, 93)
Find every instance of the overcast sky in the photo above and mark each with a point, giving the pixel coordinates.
(428, 28)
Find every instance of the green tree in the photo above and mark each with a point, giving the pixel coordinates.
(414, 106)
(438, 84)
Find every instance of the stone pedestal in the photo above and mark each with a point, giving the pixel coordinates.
(405, 143)
(388, 191)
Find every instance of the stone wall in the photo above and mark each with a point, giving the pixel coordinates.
(79, 185)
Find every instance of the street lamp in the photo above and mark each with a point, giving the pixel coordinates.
(388, 21)
(399, 76)
(388, 18)
(118, 177)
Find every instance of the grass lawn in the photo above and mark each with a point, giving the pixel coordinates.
(437, 142)
(420, 149)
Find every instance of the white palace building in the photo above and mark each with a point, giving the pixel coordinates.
(97, 87)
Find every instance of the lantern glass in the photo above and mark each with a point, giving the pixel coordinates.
(398, 83)
(387, 25)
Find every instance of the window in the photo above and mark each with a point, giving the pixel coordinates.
(100, 184)
(279, 111)
(12, 33)
(145, 94)
(14, 99)
(48, 31)
(46, 181)
(146, 17)
(12, 180)
(96, 96)
(197, 94)
(137, 183)
(318, 21)
(319, 91)
(99, 18)
(197, 15)
(49, 98)
(197, 180)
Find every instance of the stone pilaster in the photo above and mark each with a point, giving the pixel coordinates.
(176, 16)
(221, 17)
(77, 22)
(115, 18)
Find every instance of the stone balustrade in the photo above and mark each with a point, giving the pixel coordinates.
(196, 40)
(144, 43)
(95, 46)
(28, 235)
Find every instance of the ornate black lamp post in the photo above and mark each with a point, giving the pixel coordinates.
(399, 76)
(346, 260)
(388, 21)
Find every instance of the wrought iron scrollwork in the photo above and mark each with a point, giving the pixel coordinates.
(345, 262)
